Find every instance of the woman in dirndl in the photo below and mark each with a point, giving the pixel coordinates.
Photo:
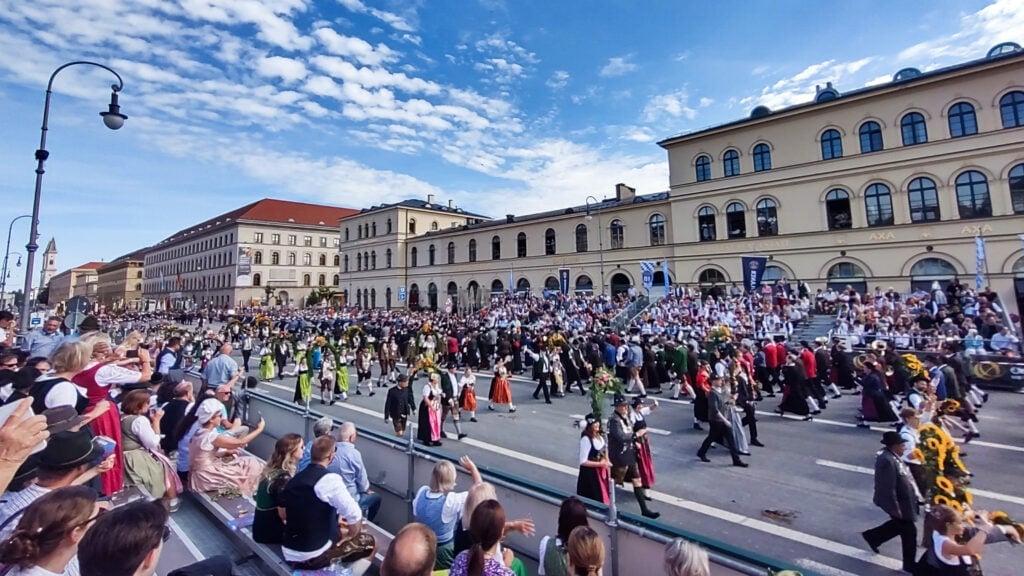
(501, 390)
(341, 381)
(644, 458)
(429, 429)
(593, 479)
(303, 387)
(467, 393)
(266, 363)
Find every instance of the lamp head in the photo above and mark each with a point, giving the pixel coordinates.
(113, 118)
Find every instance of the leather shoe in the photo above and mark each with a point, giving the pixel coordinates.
(740, 464)
(870, 545)
(756, 443)
(652, 515)
(703, 458)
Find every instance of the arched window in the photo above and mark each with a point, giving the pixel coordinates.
(497, 287)
(291, 258)
(932, 267)
(323, 260)
(923, 199)
(359, 230)
(706, 224)
(257, 257)
(703, 168)
(275, 258)
(387, 258)
(841, 270)
(346, 234)
(870, 137)
(878, 205)
(523, 285)
(831, 144)
(581, 237)
(914, 129)
(762, 158)
(962, 121)
(472, 250)
(431, 253)
(359, 261)
(496, 248)
(521, 245)
(735, 221)
(657, 228)
(972, 196)
(373, 260)
(373, 297)
(584, 284)
(837, 209)
(337, 259)
(767, 218)
(1011, 109)
(731, 163)
(617, 236)
(344, 266)
(257, 280)
(550, 247)
(306, 280)
(336, 280)
(413, 256)
(366, 260)
(387, 225)
(1017, 188)
(773, 274)
(307, 259)
(711, 276)
(412, 226)
(451, 252)
(321, 280)
(373, 229)
(433, 225)
(552, 284)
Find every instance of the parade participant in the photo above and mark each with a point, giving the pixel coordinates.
(592, 481)
(739, 437)
(795, 397)
(772, 368)
(399, 404)
(701, 390)
(501, 391)
(557, 373)
(450, 400)
(719, 424)
(429, 431)
(303, 386)
(341, 375)
(282, 351)
(622, 453)
(386, 357)
(897, 495)
(246, 345)
(635, 362)
(364, 364)
(328, 373)
(644, 457)
(574, 370)
(266, 363)
(823, 363)
(745, 401)
(875, 405)
(467, 393)
(542, 369)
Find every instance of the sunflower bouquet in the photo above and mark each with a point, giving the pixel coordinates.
(425, 364)
(602, 383)
(1000, 518)
(354, 331)
(910, 366)
(426, 329)
(556, 340)
(720, 334)
(945, 473)
(262, 320)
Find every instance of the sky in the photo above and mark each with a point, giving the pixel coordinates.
(502, 106)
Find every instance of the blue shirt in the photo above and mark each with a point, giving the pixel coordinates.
(353, 472)
(40, 343)
(220, 370)
(334, 466)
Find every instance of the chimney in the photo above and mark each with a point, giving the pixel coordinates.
(624, 193)
(510, 218)
(451, 203)
(430, 198)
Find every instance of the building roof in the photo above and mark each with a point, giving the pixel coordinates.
(136, 256)
(605, 204)
(51, 246)
(762, 113)
(82, 268)
(273, 211)
(423, 205)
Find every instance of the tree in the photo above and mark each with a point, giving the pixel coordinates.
(318, 295)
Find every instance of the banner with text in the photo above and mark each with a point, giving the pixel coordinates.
(563, 280)
(753, 272)
(243, 267)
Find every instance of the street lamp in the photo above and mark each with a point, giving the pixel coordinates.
(7, 253)
(112, 118)
(600, 237)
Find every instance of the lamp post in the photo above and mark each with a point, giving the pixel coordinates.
(7, 253)
(112, 118)
(3, 279)
(600, 236)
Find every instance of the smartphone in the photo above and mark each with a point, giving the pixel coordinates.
(5, 414)
(108, 445)
(132, 353)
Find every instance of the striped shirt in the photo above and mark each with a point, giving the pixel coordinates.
(15, 503)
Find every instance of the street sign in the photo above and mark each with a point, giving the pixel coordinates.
(401, 293)
(75, 311)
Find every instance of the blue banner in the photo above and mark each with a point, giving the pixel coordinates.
(664, 272)
(753, 272)
(647, 274)
(563, 280)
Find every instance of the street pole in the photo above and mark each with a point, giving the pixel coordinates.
(7, 254)
(113, 119)
(600, 239)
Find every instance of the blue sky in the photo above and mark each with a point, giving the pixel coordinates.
(501, 106)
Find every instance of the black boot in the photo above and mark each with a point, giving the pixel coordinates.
(641, 499)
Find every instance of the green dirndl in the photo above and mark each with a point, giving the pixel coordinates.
(267, 367)
(341, 380)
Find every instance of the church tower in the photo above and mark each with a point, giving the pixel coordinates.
(49, 268)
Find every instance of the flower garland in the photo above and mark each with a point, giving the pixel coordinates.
(910, 366)
(720, 334)
(426, 365)
(945, 473)
(354, 331)
(556, 340)
(602, 383)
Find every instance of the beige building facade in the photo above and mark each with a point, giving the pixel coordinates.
(78, 281)
(271, 252)
(883, 186)
(119, 283)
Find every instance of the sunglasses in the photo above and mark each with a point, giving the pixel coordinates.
(14, 365)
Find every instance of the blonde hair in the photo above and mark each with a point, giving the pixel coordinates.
(443, 477)
(132, 339)
(98, 343)
(684, 558)
(477, 493)
(71, 356)
(585, 551)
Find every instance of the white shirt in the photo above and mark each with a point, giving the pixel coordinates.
(114, 374)
(454, 502)
(37, 571)
(142, 428)
(937, 540)
(14, 502)
(329, 489)
(63, 393)
(585, 443)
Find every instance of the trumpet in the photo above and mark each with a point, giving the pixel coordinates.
(879, 345)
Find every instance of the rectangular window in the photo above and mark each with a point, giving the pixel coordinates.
(275, 238)
(337, 242)
(323, 241)
(307, 240)
(258, 237)
(291, 239)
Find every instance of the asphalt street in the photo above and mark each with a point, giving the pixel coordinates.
(817, 473)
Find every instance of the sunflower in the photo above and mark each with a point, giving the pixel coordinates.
(917, 455)
(998, 515)
(945, 484)
(929, 427)
(933, 443)
(968, 497)
(940, 499)
(959, 464)
(955, 506)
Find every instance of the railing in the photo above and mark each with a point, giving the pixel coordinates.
(622, 319)
(398, 468)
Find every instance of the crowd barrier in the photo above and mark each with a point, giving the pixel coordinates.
(397, 468)
(988, 371)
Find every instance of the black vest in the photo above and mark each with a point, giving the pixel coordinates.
(165, 352)
(311, 521)
(41, 388)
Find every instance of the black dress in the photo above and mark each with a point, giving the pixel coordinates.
(590, 483)
(267, 527)
(794, 391)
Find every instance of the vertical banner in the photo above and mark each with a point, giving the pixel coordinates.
(511, 282)
(647, 274)
(979, 262)
(563, 280)
(753, 271)
(664, 272)
(243, 267)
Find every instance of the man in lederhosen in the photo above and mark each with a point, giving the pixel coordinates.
(622, 453)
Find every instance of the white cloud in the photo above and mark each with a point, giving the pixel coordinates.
(1001, 21)
(636, 134)
(558, 80)
(705, 102)
(286, 69)
(673, 104)
(879, 80)
(799, 88)
(269, 17)
(356, 48)
(397, 22)
(618, 66)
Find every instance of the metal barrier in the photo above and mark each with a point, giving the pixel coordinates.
(398, 467)
(622, 319)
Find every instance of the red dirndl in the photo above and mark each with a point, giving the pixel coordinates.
(645, 462)
(108, 424)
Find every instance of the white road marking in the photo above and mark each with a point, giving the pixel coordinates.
(870, 472)
(717, 513)
(823, 569)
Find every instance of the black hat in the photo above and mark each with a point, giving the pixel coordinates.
(619, 400)
(892, 438)
(27, 471)
(590, 419)
(69, 449)
(61, 419)
(637, 401)
(89, 324)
